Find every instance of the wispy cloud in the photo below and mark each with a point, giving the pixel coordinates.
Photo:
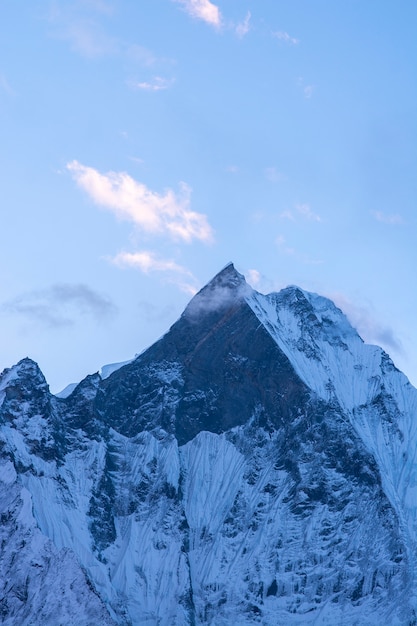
(393, 219)
(164, 214)
(243, 28)
(157, 83)
(301, 210)
(77, 24)
(366, 323)
(202, 10)
(305, 211)
(146, 261)
(283, 246)
(83, 24)
(286, 38)
(5, 86)
(61, 305)
(307, 90)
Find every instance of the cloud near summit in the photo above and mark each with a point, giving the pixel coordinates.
(168, 213)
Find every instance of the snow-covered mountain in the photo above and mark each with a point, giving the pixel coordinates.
(256, 465)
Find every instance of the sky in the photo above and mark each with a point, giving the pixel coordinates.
(144, 144)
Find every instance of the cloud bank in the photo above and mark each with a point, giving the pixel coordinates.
(61, 305)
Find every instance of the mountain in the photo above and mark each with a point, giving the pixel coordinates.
(256, 465)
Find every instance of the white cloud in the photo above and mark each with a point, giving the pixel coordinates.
(253, 277)
(202, 10)
(388, 219)
(157, 83)
(286, 38)
(147, 261)
(166, 214)
(243, 28)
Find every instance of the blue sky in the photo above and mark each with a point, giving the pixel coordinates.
(145, 144)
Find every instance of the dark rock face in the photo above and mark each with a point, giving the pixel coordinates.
(206, 482)
(209, 373)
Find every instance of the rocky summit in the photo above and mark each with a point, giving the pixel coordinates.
(256, 465)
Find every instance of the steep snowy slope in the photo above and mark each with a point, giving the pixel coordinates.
(254, 466)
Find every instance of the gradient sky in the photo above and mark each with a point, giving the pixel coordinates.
(144, 144)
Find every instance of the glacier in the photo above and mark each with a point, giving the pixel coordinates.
(256, 465)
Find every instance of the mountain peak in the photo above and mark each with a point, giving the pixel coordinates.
(226, 286)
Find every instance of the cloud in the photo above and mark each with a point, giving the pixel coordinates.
(286, 38)
(5, 86)
(307, 90)
(282, 244)
(211, 299)
(202, 10)
(147, 261)
(388, 219)
(307, 213)
(253, 277)
(85, 36)
(287, 215)
(367, 325)
(161, 214)
(243, 28)
(61, 305)
(157, 83)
